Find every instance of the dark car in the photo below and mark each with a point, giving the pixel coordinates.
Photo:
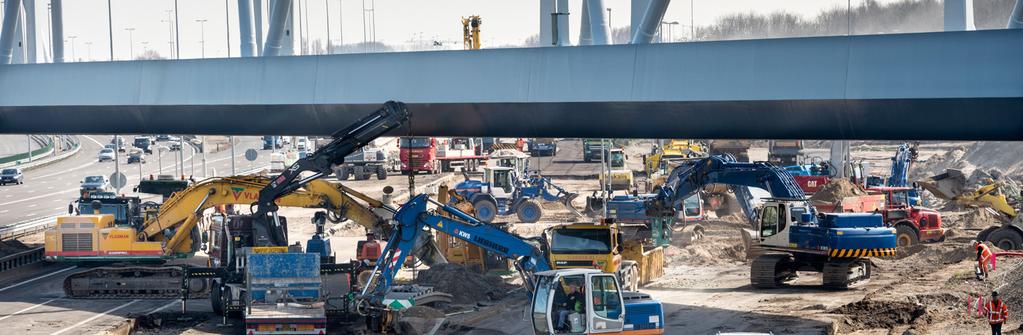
(11, 176)
(144, 143)
(136, 156)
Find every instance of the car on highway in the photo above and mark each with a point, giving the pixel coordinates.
(95, 184)
(167, 138)
(174, 146)
(136, 156)
(144, 143)
(119, 145)
(106, 154)
(11, 176)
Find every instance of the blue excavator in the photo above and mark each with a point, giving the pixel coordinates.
(792, 235)
(609, 307)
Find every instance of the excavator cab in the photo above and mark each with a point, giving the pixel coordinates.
(556, 308)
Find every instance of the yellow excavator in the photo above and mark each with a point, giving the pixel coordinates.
(171, 231)
(994, 196)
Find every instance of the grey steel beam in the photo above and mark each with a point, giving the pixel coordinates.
(11, 10)
(905, 86)
(57, 33)
(246, 44)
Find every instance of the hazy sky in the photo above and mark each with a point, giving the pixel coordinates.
(507, 22)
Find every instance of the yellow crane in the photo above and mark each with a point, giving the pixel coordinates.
(171, 231)
(471, 32)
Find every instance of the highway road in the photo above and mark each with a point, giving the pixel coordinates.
(49, 189)
(567, 162)
(14, 144)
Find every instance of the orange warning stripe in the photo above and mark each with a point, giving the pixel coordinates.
(855, 253)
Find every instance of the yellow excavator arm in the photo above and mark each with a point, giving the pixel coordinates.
(180, 213)
(988, 196)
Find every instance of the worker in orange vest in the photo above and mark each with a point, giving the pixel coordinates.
(983, 256)
(996, 312)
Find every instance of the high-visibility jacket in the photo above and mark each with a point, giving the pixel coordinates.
(985, 252)
(996, 311)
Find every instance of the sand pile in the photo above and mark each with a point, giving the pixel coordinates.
(873, 314)
(971, 218)
(835, 190)
(722, 243)
(466, 287)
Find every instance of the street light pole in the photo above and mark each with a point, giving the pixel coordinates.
(110, 29)
(202, 36)
(227, 24)
(89, 44)
(73, 57)
(177, 34)
(131, 43)
(326, 13)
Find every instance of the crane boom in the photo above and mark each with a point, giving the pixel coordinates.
(320, 162)
(687, 178)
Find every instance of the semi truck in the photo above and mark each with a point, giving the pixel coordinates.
(363, 164)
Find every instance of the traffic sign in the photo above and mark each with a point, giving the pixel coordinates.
(118, 180)
(251, 154)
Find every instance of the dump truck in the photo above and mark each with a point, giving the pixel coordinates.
(593, 148)
(737, 148)
(363, 164)
(604, 247)
(784, 152)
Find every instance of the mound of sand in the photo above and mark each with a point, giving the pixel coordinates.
(971, 218)
(873, 314)
(835, 190)
(465, 287)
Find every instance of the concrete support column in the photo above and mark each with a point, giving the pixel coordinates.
(288, 39)
(585, 32)
(651, 20)
(57, 33)
(564, 29)
(245, 37)
(598, 22)
(275, 34)
(30, 31)
(11, 10)
(638, 8)
(959, 15)
(1016, 19)
(546, 8)
(257, 10)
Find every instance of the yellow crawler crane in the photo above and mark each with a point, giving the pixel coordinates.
(172, 232)
(471, 32)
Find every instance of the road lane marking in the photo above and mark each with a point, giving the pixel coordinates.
(169, 304)
(36, 278)
(94, 317)
(28, 309)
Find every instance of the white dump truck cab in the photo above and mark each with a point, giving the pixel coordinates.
(556, 308)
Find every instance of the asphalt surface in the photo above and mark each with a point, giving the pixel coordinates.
(14, 144)
(49, 189)
(567, 162)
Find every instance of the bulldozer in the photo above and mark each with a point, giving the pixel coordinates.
(995, 196)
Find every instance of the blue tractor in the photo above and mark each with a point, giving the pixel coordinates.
(502, 192)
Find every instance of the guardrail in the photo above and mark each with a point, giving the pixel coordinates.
(27, 227)
(21, 259)
(44, 159)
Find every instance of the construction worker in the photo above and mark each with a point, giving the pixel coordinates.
(996, 312)
(983, 257)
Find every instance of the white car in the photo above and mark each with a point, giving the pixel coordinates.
(106, 154)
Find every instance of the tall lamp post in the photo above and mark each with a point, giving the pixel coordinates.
(202, 35)
(131, 42)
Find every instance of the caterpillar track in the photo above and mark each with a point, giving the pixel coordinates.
(135, 282)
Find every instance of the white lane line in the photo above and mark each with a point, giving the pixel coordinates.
(5, 211)
(94, 317)
(94, 141)
(169, 304)
(36, 278)
(28, 309)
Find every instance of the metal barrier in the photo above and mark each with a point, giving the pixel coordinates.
(21, 259)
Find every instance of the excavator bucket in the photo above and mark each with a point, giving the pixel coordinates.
(948, 185)
(567, 201)
(426, 250)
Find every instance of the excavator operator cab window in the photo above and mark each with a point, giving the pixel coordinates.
(769, 224)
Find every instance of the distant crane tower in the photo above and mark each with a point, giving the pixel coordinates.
(471, 32)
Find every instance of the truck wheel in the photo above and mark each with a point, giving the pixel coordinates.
(343, 173)
(445, 166)
(905, 236)
(630, 278)
(215, 303)
(983, 235)
(381, 173)
(1006, 239)
(530, 211)
(359, 172)
(486, 210)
